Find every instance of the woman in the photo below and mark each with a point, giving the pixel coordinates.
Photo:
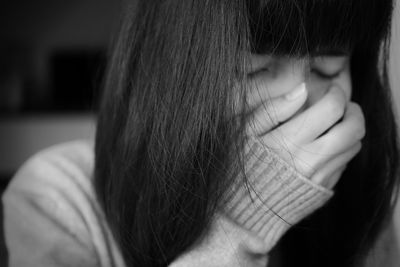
(202, 159)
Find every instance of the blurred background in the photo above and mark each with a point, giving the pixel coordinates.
(52, 58)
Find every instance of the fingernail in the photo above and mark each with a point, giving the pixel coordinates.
(296, 93)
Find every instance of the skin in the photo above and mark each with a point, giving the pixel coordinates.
(319, 129)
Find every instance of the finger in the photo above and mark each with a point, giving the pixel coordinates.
(344, 134)
(323, 175)
(274, 111)
(315, 120)
(258, 92)
(336, 141)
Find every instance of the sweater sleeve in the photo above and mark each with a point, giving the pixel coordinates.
(256, 214)
(275, 197)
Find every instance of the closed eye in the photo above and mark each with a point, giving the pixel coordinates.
(325, 75)
(258, 71)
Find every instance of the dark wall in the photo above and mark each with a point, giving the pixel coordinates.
(52, 53)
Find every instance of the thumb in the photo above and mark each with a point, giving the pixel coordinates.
(274, 111)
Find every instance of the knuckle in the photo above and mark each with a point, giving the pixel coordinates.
(353, 152)
(356, 110)
(357, 147)
(360, 131)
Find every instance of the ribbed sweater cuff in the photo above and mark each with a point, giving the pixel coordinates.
(276, 198)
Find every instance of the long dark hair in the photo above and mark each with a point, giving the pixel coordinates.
(166, 138)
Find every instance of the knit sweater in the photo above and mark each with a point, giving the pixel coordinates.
(52, 217)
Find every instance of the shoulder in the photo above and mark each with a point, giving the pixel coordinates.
(56, 166)
(50, 203)
(58, 178)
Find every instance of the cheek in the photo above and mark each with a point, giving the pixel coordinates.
(318, 87)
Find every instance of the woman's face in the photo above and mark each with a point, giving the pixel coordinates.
(279, 75)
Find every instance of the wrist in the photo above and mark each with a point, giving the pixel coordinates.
(275, 196)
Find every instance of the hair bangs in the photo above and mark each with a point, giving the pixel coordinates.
(305, 27)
